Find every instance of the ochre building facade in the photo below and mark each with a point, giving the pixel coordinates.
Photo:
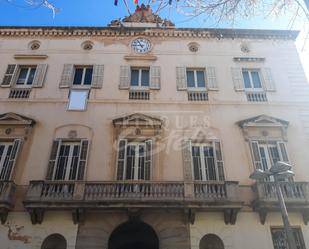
(144, 135)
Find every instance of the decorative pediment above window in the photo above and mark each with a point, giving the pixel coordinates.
(138, 124)
(263, 126)
(11, 118)
(15, 125)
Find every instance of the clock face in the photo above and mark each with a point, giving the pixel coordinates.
(141, 45)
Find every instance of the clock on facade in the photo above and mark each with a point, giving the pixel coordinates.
(141, 45)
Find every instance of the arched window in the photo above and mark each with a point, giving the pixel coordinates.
(211, 241)
(54, 241)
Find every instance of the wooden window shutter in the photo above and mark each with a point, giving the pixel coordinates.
(53, 159)
(181, 78)
(39, 76)
(12, 159)
(97, 76)
(67, 76)
(219, 160)
(256, 157)
(237, 79)
(212, 83)
(83, 155)
(10, 75)
(155, 77)
(187, 159)
(267, 80)
(121, 158)
(125, 74)
(283, 152)
(148, 161)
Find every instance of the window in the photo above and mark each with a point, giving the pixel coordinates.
(211, 241)
(78, 100)
(54, 241)
(82, 75)
(134, 160)
(252, 79)
(25, 75)
(5, 153)
(196, 78)
(140, 77)
(207, 161)
(279, 238)
(68, 157)
(8, 154)
(67, 160)
(266, 154)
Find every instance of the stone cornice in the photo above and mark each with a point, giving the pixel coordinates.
(7, 31)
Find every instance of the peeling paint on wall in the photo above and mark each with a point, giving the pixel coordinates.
(14, 233)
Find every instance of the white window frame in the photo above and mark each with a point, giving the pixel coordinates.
(140, 69)
(136, 161)
(85, 102)
(24, 85)
(69, 161)
(82, 84)
(252, 88)
(202, 159)
(196, 87)
(4, 156)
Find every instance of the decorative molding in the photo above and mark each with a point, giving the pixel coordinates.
(30, 56)
(11, 118)
(141, 57)
(146, 31)
(138, 120)
(249, 59)
(263, 121)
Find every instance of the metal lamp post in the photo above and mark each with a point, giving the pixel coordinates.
(279, 171)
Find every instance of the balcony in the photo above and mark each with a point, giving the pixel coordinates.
(7, 190)
(22, 93)
(80, 196)
(296, 196)
(256, 96)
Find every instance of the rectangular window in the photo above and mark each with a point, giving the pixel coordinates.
(25, 75)
(134, 160)
(78, 100)
(252, 79)
(140, 77)
(82, 75)
(196, 78)
(279, 238)
(67, 161)
(205, 167)
(6, 149)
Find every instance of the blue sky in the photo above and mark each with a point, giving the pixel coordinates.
(101, 12)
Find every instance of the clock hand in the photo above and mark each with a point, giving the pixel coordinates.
(140, 44)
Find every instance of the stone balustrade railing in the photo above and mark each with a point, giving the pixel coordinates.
(292, 191)
(130, 191)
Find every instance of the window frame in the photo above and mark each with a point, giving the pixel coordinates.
(139, 86)
(201, 146)
(69, 160)
(294, 228)
(4, 156)
(82, 84)
(29, 68)
(86, 100)
(196, 87)
(252, 88)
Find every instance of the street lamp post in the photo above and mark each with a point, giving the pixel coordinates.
(279, 171)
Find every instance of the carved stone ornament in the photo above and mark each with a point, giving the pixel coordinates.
(8, 131)
(72, 134)
(244, 47)
(193, 47)
(143, 14)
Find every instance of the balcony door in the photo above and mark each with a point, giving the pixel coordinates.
(204, 162)
(6, 149)
(67, 163)
(134, 160)
(136, 153)
(269, 155)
